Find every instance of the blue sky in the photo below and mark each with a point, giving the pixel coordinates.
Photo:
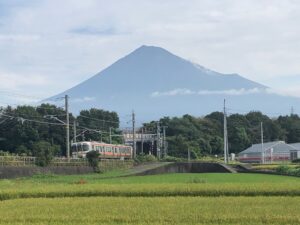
(48, 46)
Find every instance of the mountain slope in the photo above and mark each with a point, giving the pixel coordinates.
(154, 82)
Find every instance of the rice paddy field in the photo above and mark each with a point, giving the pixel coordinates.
(159, 199)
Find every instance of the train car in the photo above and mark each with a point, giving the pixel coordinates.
(108, 151)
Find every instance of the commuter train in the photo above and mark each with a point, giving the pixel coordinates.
(109, 151)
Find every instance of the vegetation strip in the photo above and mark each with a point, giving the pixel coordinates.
(153, 191)
(158, 210)
(166, 185)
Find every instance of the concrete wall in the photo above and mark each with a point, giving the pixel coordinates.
(188, 168)
(7, 172)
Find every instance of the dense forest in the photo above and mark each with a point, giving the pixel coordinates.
(23, 127)
(204, 135)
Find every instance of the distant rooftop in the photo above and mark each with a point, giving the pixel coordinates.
(277, 146)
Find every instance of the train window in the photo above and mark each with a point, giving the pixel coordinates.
(79, 147)
(85, 147)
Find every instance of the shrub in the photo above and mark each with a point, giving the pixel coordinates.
(172, 159)
(282, 169)
(23, 150)
(145, 158)
(44, 152)
(296, 161)
(93, 159)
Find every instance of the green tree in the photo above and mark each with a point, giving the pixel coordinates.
(44, 152)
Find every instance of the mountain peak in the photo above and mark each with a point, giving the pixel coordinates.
(152, 80)
(151, 50)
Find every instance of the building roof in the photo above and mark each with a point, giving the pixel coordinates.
(277, 146)
(296, 146)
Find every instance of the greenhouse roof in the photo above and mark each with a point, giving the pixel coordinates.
(277, 146)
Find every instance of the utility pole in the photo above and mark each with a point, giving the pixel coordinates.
(225, 135)
(142, 138)
(189, 155)
(262, 143)
(158, 141)
(133, 134)
(110, 135)
(292, 110)
(74, 130)
(164, 141)
(67, 127)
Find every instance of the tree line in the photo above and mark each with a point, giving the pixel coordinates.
(25, 129)
(204, 135)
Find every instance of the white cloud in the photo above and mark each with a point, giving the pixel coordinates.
(185, 91)
(11, 81)
(292, 92)
(179, 91)
(19, 38)
(12, 88)
(258, 39)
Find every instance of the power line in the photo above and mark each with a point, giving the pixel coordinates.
(29, 120)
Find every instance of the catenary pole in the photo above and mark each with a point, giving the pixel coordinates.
(142, 140)
(110, 135)
(164, 141)
(158, 152)
(133, 134)
(74, 130)
(67, 127)
(225, 135)
(262, 143)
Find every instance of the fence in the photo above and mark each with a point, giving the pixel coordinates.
(110, 164)
(30, 161)
(105, 164)
(17, 161)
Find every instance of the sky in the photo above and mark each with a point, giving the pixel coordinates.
(48, 46)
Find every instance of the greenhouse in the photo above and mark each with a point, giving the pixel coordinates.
(269, 152)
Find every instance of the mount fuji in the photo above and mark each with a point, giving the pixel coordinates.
(155, 83)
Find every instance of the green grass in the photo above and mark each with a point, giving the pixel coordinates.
(115, 177)
(148, 186)
(158, 210)
(159, 199)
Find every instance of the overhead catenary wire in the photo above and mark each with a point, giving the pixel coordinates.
(49, 123)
